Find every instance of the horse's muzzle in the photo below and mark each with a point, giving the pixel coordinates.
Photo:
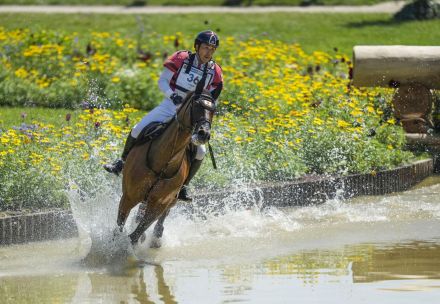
(201, 135)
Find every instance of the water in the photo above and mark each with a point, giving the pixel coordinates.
(366, 250)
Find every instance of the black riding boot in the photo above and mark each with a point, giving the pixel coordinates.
(117, 166)
(195, 166)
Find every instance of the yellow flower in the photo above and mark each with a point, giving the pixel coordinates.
(238, 139)
(21, 73)
(317, 121)
(343, 123)
(371, 110)
(391, 121)
(116, 79)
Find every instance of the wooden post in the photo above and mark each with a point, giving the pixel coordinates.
(412, 70)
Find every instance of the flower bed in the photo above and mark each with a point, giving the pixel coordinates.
(284, 113)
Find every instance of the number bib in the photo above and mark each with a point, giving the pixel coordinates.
(188, 82)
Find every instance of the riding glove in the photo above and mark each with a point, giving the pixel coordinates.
(177, 99)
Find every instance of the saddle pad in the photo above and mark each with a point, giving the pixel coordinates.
(151, 131)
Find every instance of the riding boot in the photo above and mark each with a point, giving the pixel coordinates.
(195, 166)
(117, 166)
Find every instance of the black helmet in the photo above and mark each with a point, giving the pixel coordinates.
(208, 37)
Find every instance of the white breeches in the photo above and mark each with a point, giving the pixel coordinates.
(163, 113)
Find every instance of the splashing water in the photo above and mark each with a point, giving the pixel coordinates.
(238, 224)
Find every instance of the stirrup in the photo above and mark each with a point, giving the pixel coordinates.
(115, 168)
(184, 195)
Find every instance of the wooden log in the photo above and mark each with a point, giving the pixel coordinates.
(412, 107)
(395, 65)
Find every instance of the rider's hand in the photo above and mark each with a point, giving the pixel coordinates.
(177, 99)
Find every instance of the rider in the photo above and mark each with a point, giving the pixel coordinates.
(182, 71)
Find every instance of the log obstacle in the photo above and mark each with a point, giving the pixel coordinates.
(412, 70)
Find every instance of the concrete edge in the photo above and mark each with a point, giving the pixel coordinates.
(390, 7)
(60, 224)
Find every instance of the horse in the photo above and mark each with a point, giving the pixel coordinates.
(155, 171)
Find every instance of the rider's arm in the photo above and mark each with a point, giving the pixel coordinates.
(216, 92)
(164, 82)
(217, 83)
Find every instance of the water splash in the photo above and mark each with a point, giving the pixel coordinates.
(95, 216)
(241, 219)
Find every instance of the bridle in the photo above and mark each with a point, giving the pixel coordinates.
(205, 101)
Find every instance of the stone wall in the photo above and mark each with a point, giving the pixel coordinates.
(37, 227)
(309, 190)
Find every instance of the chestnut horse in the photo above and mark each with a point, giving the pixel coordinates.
(155, 171)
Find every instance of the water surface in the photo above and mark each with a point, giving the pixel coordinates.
(383, 249)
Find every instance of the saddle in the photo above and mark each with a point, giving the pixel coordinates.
(151, 131)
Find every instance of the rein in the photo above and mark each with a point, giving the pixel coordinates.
(182, 127)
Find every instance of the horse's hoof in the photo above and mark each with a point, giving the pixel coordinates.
(156, 243)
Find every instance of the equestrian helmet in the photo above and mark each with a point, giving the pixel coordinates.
(208, 37)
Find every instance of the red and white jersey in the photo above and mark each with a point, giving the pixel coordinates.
(185, 79)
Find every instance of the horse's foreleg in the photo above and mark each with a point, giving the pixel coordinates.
(120, 221)
(146, 222)
(122, 217)
(158, 231)
(125, 206)
(158, 228)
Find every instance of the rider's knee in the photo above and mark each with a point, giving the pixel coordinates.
(136, 131)
(201, 151)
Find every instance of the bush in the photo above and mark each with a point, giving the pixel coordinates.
(419, 10)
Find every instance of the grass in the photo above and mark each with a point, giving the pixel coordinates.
(191, 2)
(312, 31)
(15, 116)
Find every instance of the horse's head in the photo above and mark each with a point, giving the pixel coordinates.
(201, 108)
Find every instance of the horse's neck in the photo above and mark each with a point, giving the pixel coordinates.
(167, 151)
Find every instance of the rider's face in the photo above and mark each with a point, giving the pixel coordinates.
(205, 52)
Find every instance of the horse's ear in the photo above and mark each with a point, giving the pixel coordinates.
(199, 88)
(201, 83)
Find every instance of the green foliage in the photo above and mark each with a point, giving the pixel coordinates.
(25, 186)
